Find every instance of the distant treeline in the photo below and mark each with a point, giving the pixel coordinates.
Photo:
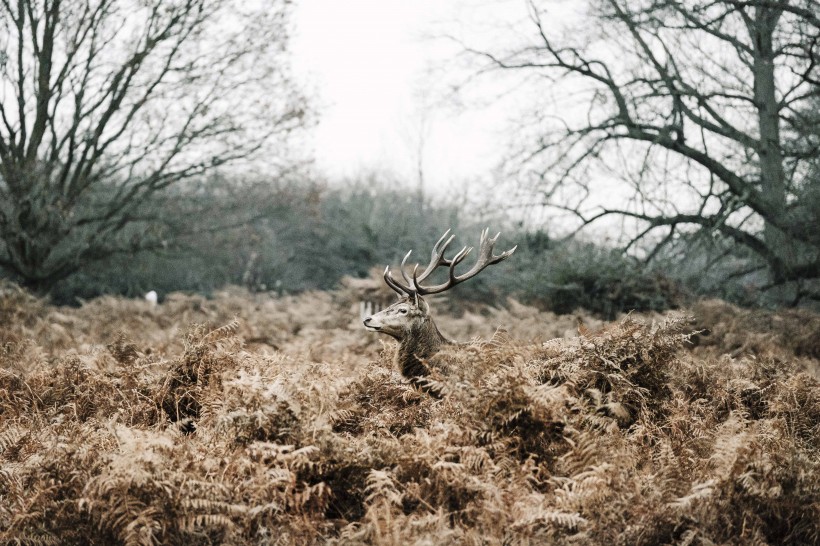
(291, 237)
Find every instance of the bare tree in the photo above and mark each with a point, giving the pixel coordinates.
(105, 104)
(705, 110)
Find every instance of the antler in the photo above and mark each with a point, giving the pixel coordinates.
(413, 287)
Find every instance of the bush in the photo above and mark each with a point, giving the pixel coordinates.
(288, 239)
(291, 238)
(574, 275)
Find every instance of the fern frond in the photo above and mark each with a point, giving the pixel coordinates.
(191, 523)
(26, 538)
(144, 530)
(213, 506)
(569, 521)
(381, 486)
(267, 508)
(11, 437)
(699, 492)
(583, 454)
(223, 332)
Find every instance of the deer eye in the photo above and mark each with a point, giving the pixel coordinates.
(403, 311)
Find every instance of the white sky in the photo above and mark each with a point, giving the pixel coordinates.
(370, 65)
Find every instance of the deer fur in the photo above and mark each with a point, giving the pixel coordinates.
(408, 321)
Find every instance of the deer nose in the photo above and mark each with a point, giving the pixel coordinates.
(367, 321)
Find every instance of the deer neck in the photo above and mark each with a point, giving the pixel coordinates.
(423, 341)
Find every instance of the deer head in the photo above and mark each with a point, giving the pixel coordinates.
(408, 320)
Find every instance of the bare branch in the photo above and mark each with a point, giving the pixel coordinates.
(688, 107)
(116, 100)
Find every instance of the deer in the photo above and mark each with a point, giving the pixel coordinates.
(409, 322)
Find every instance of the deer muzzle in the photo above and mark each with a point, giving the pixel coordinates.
(370, 324)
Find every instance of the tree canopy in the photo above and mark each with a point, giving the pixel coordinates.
(104, 104)
(702, 114)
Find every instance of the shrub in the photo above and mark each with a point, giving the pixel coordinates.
(572, 275)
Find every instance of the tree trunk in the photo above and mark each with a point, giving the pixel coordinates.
(770, 153)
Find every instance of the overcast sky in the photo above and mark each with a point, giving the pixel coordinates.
(375, 69)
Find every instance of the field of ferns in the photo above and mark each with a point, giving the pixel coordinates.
(254, 419)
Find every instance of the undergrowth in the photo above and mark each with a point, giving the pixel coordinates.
(282, 422)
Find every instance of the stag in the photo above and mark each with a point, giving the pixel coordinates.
(409, 321)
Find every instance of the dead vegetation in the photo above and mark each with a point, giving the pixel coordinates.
(247, 419)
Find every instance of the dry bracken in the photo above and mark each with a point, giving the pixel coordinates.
(249, 419)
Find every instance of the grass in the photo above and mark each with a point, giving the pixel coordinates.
(250, 419)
